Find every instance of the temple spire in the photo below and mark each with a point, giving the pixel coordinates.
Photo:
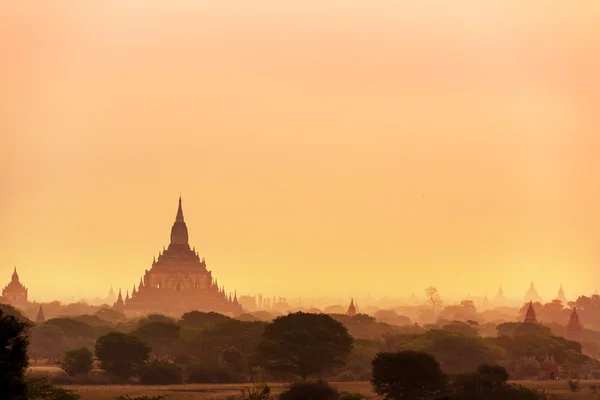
(351, 312)
(179, 217)
(179, 232)
(530, 317)
(40, 315)
(15, 275)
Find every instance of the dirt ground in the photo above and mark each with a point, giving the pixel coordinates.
(222, 392)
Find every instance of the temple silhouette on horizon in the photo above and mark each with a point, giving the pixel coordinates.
(178, 282)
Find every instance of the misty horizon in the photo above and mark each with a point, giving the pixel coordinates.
(362, 150)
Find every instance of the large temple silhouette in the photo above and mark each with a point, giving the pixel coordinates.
(178, 282)
(15, 293)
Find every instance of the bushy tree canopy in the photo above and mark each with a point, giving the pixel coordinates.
(407, 375)
(121, 354)
(13, 356)
(304, 344)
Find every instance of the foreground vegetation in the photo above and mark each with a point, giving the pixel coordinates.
(209, 348)
(226, 391)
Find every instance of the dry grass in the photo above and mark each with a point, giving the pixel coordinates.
(222, 392)
(195, 391)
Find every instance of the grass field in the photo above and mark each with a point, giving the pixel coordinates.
(214, 392)
(195, 391)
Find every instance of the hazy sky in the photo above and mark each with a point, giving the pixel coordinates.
(321, 147)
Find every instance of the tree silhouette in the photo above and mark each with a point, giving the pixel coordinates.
(433, 298)
(13, 357)
(407, 375)
(162, 336)
(304, 344)
(121, 354)
(78, 361)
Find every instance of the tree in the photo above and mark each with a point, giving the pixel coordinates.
(47, 341)
(162, 336)
(455, 352)
(121, 354)
(199, 319)
(78, 361)
(110, 315)
(407, 375)
(527, 367)
(156, 318)
(7, 309)
(462, 328)
(304, 344)
(161, 373)
(489, 382)
(433, 298)
(13, 356)
(41, 389)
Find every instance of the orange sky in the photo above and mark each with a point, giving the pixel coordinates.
(321, 147)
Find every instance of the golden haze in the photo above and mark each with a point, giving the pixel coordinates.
(321, 147)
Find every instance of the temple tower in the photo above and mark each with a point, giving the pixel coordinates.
(561, 296)
(532, 294)
(111, 298)
(530, 317)
(574, 327)
(15, 292)
(500, 299)
(351, 309)
(549, 369)
(40, 317)
(119, 304)
(179, 281)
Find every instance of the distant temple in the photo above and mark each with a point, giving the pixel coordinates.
(532, 294)
(561, 296)
(485, 303)
(351, 309)
(40, 317)
(574, 327)
(111, 298)
(499, 299)
(15, 293)
(548, 369)
(530, 317)
(178, 282)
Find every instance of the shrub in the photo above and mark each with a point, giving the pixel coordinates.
(527, 367)
(41, 389)
(161, 373)
(207, 373)
(573, 385)
(320, 390)
(257, 392)
(78, 361)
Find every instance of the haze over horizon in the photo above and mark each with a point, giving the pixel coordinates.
(320, 149)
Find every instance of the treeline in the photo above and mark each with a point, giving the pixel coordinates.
(213, 348)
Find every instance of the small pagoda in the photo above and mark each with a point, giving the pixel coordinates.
(574, 327)
(351, 309)
(40, 317)
(530, 317)
(549, 369)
